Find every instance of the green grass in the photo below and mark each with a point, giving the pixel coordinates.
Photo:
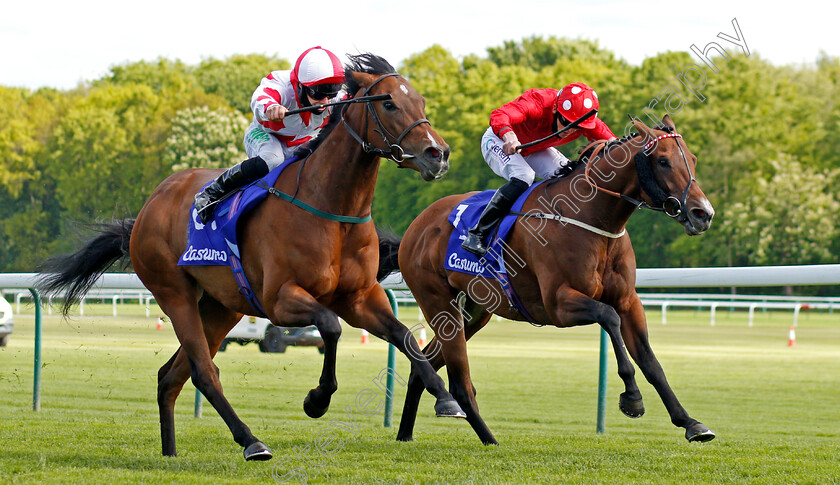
(776, 409)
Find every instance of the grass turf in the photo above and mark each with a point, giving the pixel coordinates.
(775, 408)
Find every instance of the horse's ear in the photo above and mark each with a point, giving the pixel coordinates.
(643, 129)
(667, 121)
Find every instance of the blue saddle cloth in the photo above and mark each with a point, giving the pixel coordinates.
(217, 242)
(491, 265)
(214, 242)
(463, 217)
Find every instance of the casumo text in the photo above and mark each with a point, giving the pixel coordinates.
(204, 254)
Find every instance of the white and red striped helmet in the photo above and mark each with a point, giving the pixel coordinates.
(318, 66)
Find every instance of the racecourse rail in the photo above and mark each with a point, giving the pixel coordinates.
(645, 278)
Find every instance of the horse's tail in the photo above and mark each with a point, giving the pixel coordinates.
(74, 274)
(389, 248)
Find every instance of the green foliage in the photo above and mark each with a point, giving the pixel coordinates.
(202, 137)
(99, 150)
(235, 78)
(790, 216)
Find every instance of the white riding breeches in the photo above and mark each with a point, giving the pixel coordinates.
(269, 148)
(540, 164)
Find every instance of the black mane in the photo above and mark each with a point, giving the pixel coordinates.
(367, 63)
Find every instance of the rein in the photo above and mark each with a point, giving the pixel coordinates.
(673, 207)
(394, 151)
(677, 212)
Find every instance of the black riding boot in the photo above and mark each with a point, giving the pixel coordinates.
(493, 214)
(233, 178)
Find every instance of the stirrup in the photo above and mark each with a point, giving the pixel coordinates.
(474, 244)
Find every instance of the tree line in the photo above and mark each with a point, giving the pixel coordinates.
(767, 139)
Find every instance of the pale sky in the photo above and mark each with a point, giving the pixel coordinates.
(60, 43)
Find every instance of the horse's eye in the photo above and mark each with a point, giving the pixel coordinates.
(664, 162)
(389, 105)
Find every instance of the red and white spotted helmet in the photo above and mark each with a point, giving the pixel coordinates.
(575, 100)
(318, 66)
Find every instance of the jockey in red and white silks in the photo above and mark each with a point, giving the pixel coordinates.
(272, 137)
(534, 115)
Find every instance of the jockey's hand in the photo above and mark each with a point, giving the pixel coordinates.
(276, 112)
(511, 142)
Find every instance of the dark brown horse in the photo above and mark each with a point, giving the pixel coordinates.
(304, 268)
(566, 274)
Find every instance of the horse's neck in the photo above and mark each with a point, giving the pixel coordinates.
(339, 177)
(602, 210)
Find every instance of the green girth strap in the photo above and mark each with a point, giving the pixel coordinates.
(309, 208)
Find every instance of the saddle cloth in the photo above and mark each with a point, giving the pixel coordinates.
(216, 243)
(463, 217)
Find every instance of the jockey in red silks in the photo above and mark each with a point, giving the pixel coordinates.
(536, 114)
(272, 137)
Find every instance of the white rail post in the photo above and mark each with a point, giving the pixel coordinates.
(664, 313)
(752, 314)
(714, 307)
(796, 313)
(148, 298)
(17, 301)
(82, 307)
(114, 304)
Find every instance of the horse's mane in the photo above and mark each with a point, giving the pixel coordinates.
(365, 63)
(586, 151)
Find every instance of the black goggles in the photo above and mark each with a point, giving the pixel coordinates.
(322, 91)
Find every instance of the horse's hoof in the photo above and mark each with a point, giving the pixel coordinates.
(700, 433)
(633, 408)
(405, 438)
(257, 451)
(449, 408)
(312, 410)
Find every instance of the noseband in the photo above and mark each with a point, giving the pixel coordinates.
(394, 151)
(671, 206)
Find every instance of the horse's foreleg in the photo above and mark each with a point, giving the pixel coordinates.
(573, 308)
(634, 329)
(373, 312)
(296, 307)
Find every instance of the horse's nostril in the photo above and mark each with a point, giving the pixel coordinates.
(700, 215)
(433, 153)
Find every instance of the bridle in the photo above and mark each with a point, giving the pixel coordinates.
(394, 151)
(673, 207)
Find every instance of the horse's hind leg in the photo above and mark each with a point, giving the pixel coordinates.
(171, 378)
(180, 304)
(217, 322)
(634, 329)
(452, 353)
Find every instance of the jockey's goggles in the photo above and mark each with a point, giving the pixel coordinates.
(322, 91)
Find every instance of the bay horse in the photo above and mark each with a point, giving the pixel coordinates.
(569, 274)
(305, 269)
